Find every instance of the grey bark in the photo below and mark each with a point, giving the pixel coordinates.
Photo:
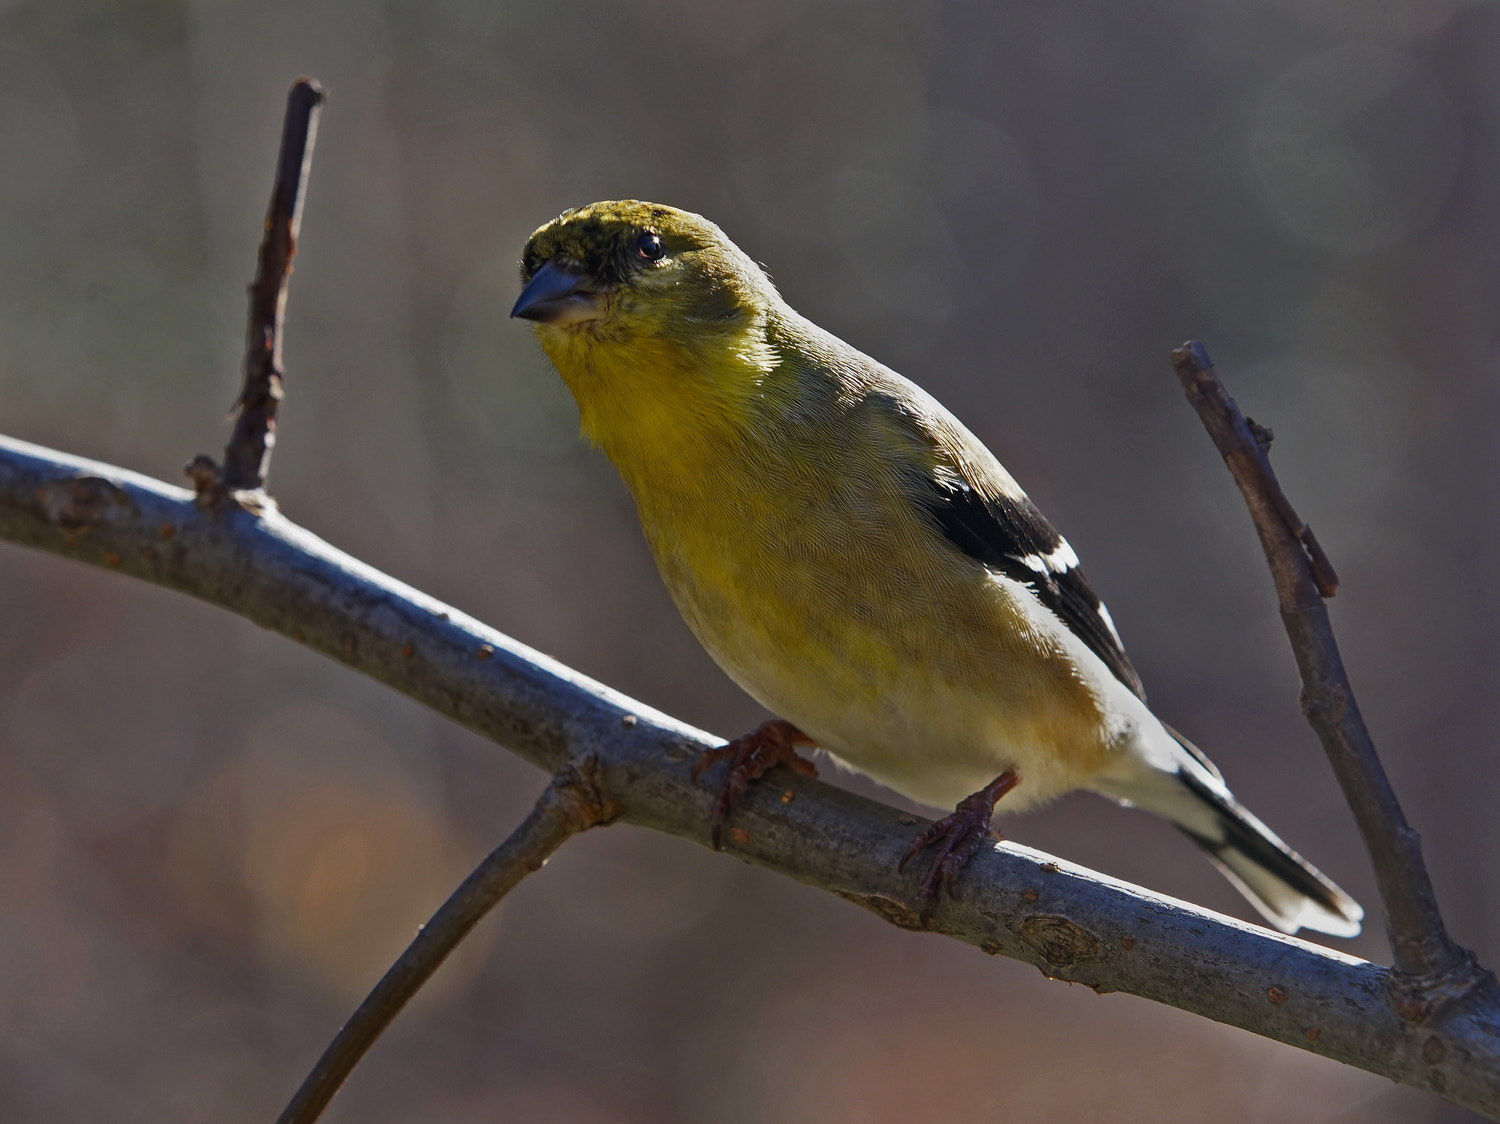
(241, 554)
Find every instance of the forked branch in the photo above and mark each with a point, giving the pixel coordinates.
(1430, 968)
(1071, 923)
(1433, 1023)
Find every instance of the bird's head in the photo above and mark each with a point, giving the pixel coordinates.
(650, 314)
(626, 270)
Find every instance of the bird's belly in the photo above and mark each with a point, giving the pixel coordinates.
(930, 685)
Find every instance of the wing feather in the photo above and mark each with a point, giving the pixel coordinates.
(973, 502)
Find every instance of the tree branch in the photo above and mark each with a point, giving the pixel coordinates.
(1071, 923)
(1430, 968)
(570, 804)
(247, 457)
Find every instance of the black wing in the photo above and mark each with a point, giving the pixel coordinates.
(1011, 536)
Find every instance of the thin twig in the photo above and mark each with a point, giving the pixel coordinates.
(1071, 923)
(1430, 967)
(573, 802)
(247, 457)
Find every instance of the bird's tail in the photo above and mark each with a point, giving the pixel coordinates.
(1285, 887)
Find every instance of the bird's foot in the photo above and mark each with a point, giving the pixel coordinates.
(750, 755)
(957, 837)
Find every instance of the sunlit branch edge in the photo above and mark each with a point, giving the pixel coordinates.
(1071, 923)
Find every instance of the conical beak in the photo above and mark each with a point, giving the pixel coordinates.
(559, 293)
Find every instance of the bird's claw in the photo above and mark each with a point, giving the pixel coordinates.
(957, 837)
(751, 755)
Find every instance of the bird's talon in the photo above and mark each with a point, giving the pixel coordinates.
(710, 757)
(957, 838)
(751, 756)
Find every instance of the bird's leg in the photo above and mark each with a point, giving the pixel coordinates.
(750, 755)
(957, 837)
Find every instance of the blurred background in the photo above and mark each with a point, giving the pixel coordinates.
(212, 842)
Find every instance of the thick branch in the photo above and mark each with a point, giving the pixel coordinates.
(570, 804)
(1070, 923)
(1432, 968)
(247, 457)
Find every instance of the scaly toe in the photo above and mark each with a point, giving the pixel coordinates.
(751, 756)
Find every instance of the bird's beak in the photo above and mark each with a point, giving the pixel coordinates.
(560, 293)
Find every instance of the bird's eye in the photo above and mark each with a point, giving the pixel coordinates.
(649, 247)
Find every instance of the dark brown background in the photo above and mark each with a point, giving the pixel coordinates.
(211, 841)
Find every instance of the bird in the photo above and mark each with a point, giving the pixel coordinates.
(860, 563)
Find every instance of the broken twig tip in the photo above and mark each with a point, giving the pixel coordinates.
(247, 457)
(306, 87)
(1191, 358)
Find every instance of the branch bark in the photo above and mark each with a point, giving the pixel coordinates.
(1069, 922)
(570, 804)
(1430, 968)
(247, 457)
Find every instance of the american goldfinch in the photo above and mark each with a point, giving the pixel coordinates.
(859, 562)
